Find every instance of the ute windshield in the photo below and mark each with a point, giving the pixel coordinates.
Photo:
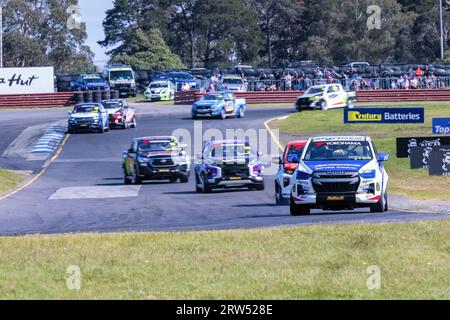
(157, 146)
(233, 81)
(92, 80)
(112, 105)
(86, 109)
(121, 75)
(230, 152)
(212, 97)
(338, 151)
(315, 90)
(295, 150)
(158, 85)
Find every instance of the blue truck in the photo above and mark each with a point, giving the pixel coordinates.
(219, 105)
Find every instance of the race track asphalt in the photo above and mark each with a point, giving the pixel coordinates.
(97, 201)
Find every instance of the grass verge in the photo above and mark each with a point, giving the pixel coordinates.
(9, 180)
(404, 181)
(317, 262)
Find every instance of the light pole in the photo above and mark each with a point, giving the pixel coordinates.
(442, 29)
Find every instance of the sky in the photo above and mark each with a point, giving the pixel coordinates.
(93, 13)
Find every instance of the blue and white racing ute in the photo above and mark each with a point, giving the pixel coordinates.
(228, 164)
(219, 105)
(339, 173)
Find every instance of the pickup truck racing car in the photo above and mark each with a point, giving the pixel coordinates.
(219, 105)
(120, 114)
(226, 164)
(339, 173)
(156, 158)
(88, 116)
(326, 97)
(89, 83)
(288, 164)
(160, 90)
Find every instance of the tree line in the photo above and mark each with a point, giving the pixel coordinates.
(208, 33)
(161, 34)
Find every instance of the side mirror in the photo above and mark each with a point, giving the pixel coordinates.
(69, 113)
(382, 157)
(125, 154)
(293, 158)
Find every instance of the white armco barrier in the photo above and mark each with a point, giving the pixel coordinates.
(26, 80)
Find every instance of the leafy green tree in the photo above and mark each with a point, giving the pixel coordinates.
(147, 51)
(36, 34)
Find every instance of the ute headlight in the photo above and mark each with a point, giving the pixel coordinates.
(301, 175)
(179, 160)
(141, 159)
(368, 174)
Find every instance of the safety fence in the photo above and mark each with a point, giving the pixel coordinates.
(189, 97)
(273, 97)
(54, 100)
(352, 84)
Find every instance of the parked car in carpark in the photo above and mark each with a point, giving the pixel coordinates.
(160, 90)
(179, 79)
(120, 114)
(233, 83)
(288, 165)
(156, 158)
(326, 97)
(88, 116)
(340, 173)
(89, 83)
(219, 105)
(230, 163)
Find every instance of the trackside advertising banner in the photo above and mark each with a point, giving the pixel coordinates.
(441, 126)
(26, 80)
(440, 163)
(384, 115)
(404, 145)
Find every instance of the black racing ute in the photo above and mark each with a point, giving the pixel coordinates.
(156, 158)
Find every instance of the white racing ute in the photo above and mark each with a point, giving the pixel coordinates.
(326, 97)
(339, 173)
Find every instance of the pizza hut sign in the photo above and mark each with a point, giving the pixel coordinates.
(26, 80)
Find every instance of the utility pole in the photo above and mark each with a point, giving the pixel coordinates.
(442, 29)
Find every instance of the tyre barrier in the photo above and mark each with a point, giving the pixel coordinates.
(97, 96)
(88, 97)
(79, 97)
(115, 94)
(106, 95)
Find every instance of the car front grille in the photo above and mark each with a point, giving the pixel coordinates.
(229, 171)
(84, 120)
(336, 182)
(303, 102)
(162, 162)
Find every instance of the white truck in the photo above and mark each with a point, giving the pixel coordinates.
(326, 97)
